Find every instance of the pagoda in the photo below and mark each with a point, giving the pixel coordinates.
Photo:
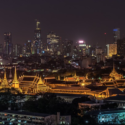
(4, 81)
(114, 74)
(15, 82)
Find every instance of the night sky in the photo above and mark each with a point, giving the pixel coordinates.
(70, 19)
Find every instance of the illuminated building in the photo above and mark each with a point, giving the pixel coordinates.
(111, 50)
(24, 49)
(121, 47)
(11, 117)
(15, 82)
(116, 34)
(114, 74)
(28, 47)
(37, 35)
(4, 83)
(7, 43)
(53, 43)
(82, 48)
(109, 116)
(75, 52)
(32, 84)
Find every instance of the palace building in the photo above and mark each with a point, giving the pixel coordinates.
(32, 84)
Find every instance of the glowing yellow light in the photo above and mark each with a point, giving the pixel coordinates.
(83, 84)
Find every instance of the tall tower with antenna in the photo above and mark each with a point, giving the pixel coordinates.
(37, 37)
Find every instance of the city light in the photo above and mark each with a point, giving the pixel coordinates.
(81, 41)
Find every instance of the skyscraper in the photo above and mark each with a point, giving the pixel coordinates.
(121, 47)
(28, 47)
(7, 43)
(17, 49)
(116, 34)
(111, 50)
(37, 35)
(68, 47)
(53, 43)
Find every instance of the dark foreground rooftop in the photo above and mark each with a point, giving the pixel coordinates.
(25, 113)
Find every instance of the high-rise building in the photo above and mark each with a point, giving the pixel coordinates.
(116, 34)
(68, 47)
(17, 50)
(53, 43)
(111, 50)
(82, 48)
(7, 43)
(75, 52)
(37, 35)
(28, 47)
(121, 47)
(24, 49)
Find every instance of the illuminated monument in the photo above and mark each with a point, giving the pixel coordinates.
(114, 75)
(4, 83)
(15, 82)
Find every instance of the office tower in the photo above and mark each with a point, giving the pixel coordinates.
(7, 43)
(33, 47)
(53, 43)
(37, 35)
(17, 50)
(111, 50)
(28, 47)
(24, 49)
(82, 48)
(121, 47)
(116, 34)
(68, 47)
(75, 52)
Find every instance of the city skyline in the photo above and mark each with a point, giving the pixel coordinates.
(70, 20)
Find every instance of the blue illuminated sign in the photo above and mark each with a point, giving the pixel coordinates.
(115, 29)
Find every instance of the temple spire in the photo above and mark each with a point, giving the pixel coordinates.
(40, 81)
(15, 77)
(4, 82)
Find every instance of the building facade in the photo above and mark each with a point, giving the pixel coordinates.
(111, 50)
(121, 47)
(37, 36)
(116, 34)
(9, 117)
(53, 43)
(7, 43)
